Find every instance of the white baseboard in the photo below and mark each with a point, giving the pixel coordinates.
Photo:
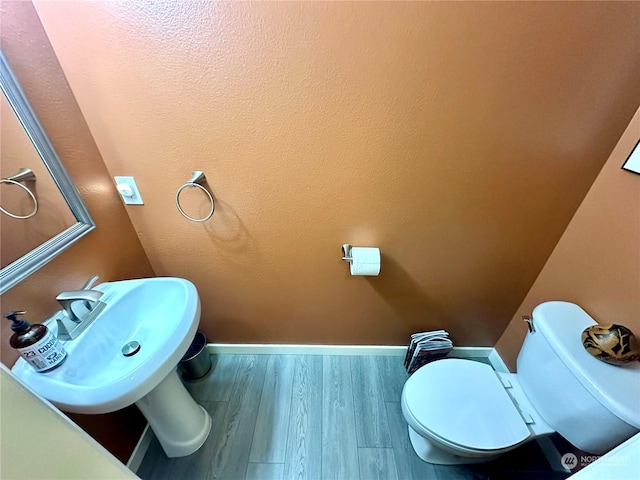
(288, 349)
(489, 353)
(141, 449)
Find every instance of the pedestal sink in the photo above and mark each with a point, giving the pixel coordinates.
(161, 315)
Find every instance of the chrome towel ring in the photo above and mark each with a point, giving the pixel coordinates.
(22, 175)
(197, 180)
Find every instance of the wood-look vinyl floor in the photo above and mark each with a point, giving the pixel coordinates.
(314, 417)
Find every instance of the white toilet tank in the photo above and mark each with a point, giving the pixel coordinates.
(594, 405)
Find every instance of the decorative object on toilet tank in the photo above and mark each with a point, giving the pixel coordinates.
(611, 343)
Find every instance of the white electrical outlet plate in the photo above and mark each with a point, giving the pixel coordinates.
(129, 190)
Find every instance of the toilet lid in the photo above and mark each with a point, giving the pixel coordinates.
(464, 403)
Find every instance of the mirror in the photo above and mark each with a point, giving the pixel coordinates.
(71, 216)
(26, 221)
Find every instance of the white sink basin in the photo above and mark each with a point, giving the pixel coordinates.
(161, 314)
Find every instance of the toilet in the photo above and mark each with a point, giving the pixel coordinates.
(462, 411)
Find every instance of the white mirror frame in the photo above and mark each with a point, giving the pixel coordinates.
(30, 262)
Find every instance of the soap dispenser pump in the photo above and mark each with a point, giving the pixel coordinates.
(36, 344)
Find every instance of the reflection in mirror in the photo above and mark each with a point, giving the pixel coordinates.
(20, 236)
(61, 219)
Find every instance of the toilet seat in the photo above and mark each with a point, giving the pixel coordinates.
(463, 405)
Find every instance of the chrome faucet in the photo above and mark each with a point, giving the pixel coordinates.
(81, 308)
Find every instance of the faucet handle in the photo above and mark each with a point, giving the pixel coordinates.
(67, 298)
(88, 295)
(79, 303)
(90, 283)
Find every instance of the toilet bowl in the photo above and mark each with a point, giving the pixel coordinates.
(470, 415)
(462, 411)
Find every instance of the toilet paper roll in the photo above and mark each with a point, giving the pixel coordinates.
(365, 261)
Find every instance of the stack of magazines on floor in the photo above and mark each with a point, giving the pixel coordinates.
(426, 347)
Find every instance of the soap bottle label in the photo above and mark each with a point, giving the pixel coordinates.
(45, 354)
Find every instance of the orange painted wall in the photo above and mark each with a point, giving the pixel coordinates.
(458, 137)
(112, 251)
(596, 263)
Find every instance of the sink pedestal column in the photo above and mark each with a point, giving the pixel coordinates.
(179, 423)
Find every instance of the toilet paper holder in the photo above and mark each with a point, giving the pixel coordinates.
(346, 249)
(363, 261)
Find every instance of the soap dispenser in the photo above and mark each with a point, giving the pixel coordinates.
(36, 344)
